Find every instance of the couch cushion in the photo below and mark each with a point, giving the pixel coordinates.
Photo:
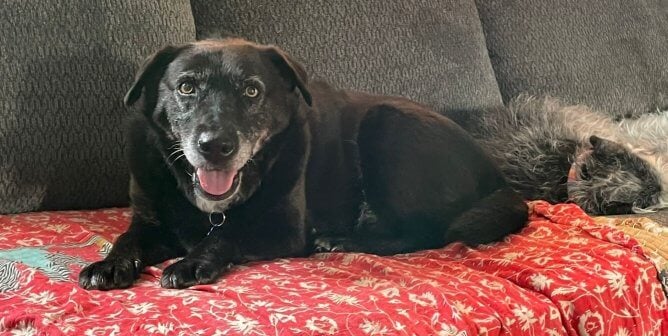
(607, 54)
(430, 51)
(65, 66)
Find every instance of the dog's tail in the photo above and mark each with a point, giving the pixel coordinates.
(489, 219)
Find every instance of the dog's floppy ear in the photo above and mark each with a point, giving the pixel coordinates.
(151, 71)
(291, 70)
(601, 145)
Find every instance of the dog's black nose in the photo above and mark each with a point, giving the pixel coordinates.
(211, 145)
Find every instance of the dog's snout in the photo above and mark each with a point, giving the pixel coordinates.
(215, 146)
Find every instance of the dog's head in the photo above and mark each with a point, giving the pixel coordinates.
(610, 179)
(219, 102)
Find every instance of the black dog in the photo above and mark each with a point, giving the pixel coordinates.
(232, 134)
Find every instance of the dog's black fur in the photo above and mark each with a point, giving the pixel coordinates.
(317, 169)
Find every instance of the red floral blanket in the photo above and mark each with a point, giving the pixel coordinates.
(562, 275)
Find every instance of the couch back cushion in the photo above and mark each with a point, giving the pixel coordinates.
(612, 55)
(65, 66)
(432, 51)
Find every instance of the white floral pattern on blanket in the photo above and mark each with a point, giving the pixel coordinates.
(562, 275)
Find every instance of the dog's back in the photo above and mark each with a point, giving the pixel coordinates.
(405, 168)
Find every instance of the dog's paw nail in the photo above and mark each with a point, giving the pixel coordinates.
(188, 272)
(322, 245)
(109, 274)
(328, 245)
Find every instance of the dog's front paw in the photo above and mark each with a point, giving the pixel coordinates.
(109, 274)
(190, 272)
(329, 244)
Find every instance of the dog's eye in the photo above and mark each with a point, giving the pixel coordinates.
(186, 88)
(251, 91)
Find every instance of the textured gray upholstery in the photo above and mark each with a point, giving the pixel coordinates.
(432, 51)
(607, 54)
(65, 65)
(64, 68)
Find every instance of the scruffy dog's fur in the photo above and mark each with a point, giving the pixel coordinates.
(615, 166)
(231, 127)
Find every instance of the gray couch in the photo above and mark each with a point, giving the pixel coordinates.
(65, 66)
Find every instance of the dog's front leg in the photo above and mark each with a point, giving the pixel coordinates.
(225, 246)
(204, 264)
(144, 244)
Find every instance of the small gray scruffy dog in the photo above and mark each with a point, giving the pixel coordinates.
(556, 152)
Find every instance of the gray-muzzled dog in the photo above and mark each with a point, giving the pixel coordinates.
(558, 152)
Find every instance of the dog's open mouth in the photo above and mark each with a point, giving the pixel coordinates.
(216, 184)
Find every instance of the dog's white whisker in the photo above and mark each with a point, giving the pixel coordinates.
(180, 150)
(176, 144)
(176, 159)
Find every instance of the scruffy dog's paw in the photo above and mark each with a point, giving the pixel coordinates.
(190, 272)
(330, 244)
(109, 274)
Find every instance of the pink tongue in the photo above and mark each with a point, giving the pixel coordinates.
(215, 182)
